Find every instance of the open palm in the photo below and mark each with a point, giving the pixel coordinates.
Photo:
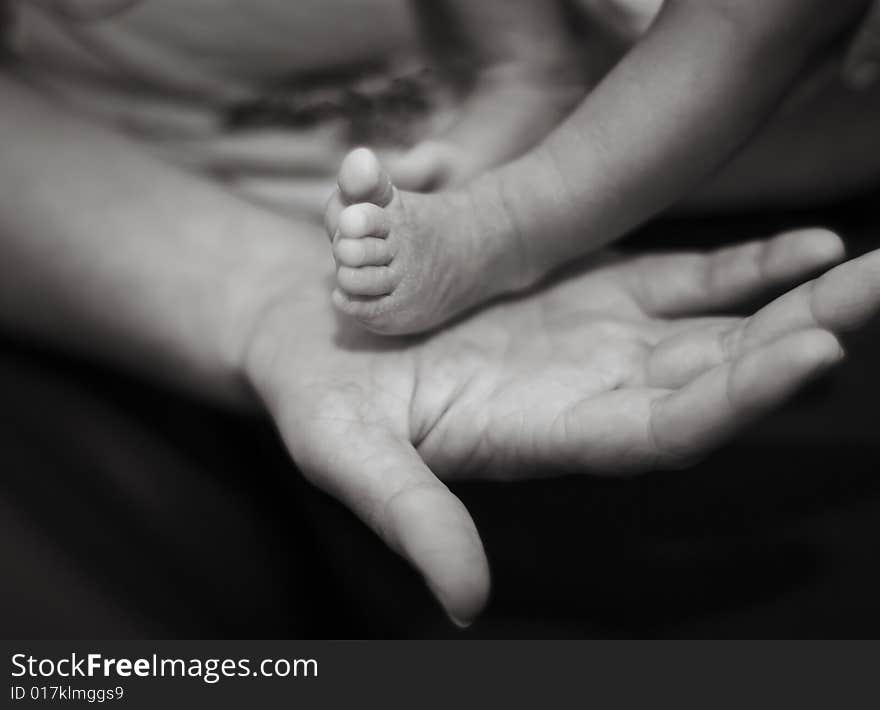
(614, 369)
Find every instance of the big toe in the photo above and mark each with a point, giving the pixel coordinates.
(363, 179)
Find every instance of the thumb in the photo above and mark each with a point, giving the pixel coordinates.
(384, 481)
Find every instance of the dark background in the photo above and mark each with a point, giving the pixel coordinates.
(130, 511)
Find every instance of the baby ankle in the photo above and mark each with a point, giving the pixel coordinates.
(512, 262)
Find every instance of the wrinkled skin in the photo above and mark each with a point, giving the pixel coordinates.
(613, 370)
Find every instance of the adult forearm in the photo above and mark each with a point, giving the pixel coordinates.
(107, 251)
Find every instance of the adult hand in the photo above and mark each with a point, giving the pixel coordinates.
(611, 371)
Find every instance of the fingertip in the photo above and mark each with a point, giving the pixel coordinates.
(442, 542)
(459, 623)
(464, 599)
(806, 250)
(820, 349)
(766, 377)
(804, 355)
(848, 296)
(824, 244)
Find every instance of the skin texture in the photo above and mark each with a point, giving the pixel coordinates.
(683, 100)
(616, 369)
(525, 68)
(622, 365)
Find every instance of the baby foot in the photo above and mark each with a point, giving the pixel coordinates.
(408, 262)
(508, 112)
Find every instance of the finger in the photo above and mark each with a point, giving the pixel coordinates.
(689, 422)
(634, 429)
(681, 284)
(839, 301)
(685, 355)
(385, 482)
(861, 67)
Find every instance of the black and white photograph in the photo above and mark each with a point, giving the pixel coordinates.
(437, 320)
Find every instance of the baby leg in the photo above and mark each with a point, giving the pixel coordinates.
(528, 75)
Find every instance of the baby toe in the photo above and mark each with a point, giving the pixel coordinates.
(369, 311)
(363, 220)
(366, 281)
(363, 179)
(362, 252)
